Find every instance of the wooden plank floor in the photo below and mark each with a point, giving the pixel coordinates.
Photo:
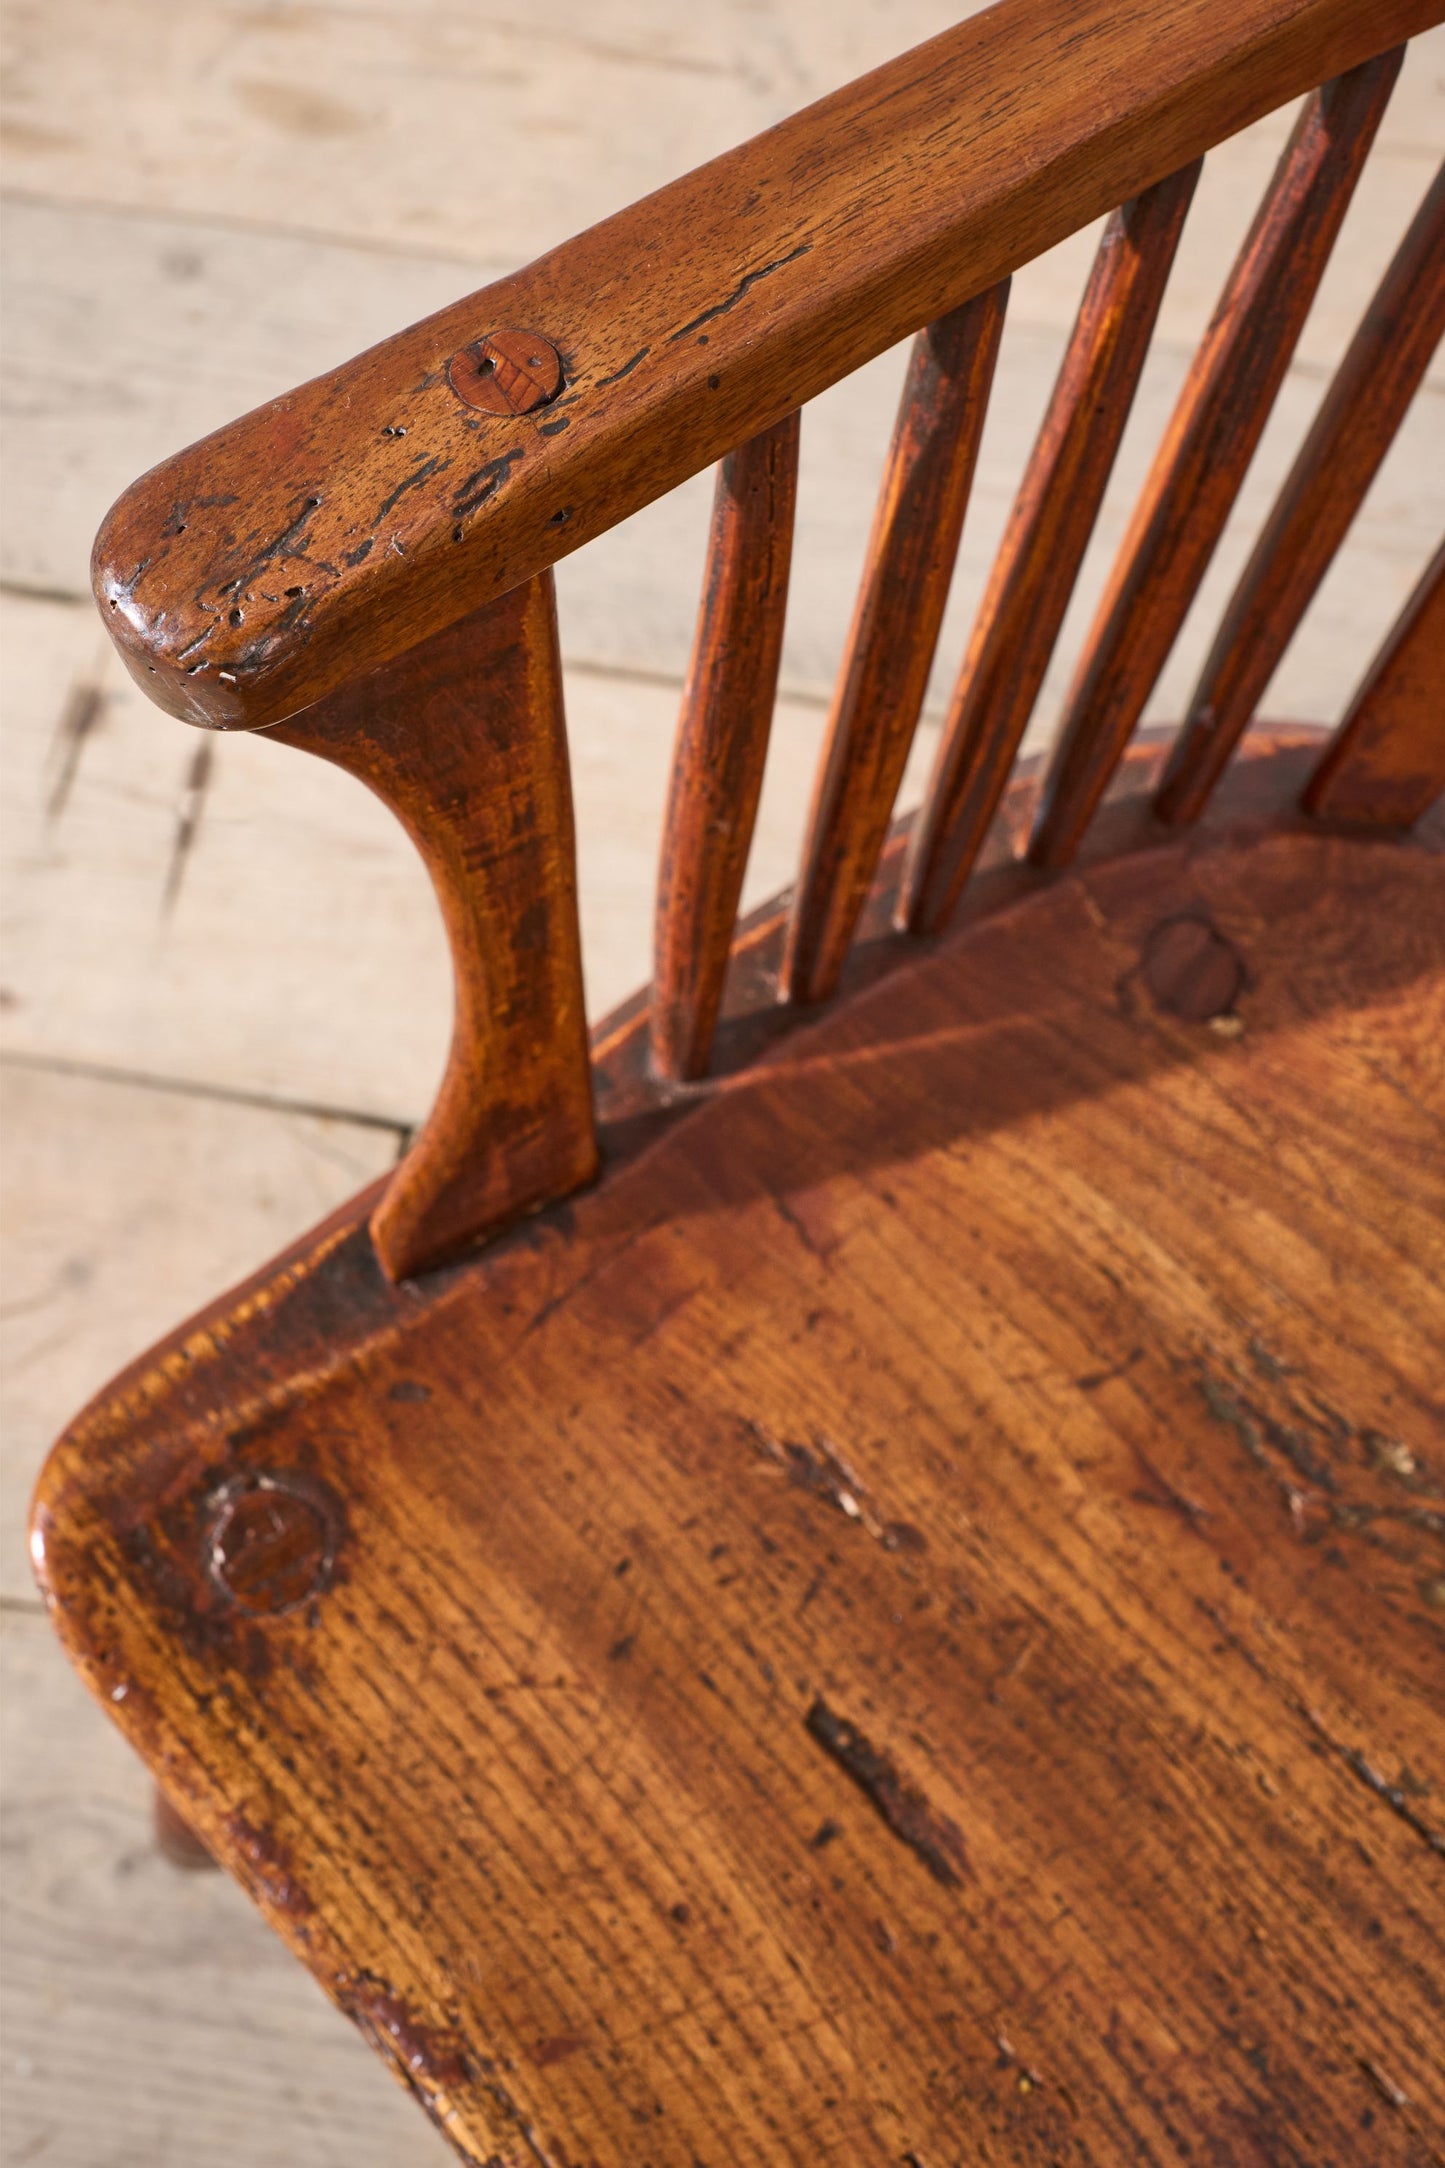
(223, 996)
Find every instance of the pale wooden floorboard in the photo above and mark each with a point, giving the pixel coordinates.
(150, 2019)
(207, 203)
(491, 133)
(125, 1209)
(292, 947)
(424, 125)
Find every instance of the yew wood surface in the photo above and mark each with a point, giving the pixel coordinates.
(464, 738)
(906, 576)
(1385, 766)
(905, 1625)
(1212, 435)
(1366, 402)
(685, 324)
(1048, 531)
(722, 743)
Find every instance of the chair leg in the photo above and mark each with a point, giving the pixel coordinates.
(177, 1840)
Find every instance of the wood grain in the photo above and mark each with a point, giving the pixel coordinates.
(1338, 460)
(722, 744)
(1211, 438)
(687, 324)
(138, 2023)
(996, 1431)
(1053, 517)
(907, 571)
(464, 739)
(1385, 766)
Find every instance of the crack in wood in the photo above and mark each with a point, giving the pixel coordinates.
(744, 286)
(938, 1842)
(490, 476)
(1364, 1770)
(626, 369)
(421, 473)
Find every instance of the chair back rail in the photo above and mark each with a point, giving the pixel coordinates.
(363, 568)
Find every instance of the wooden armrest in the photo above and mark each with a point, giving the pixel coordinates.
(328, 531)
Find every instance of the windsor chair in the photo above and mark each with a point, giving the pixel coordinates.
(854, 1571)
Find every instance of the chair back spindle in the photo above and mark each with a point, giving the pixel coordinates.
(909, 566)
(1216, 425)
(722, 744)
(1048, 531)
(1355, 427)
(1385, 765)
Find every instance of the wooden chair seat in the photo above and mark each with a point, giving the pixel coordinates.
(900, 1626)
